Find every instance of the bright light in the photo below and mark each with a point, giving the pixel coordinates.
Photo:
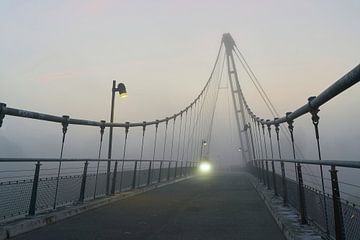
(205, 167)
(123, 95)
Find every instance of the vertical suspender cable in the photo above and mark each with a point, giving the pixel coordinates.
(260, 144)
(282, 165)
(266, 156)
(257, 148)
(185, 127)
(65, 124)
(215, 103)
(172, 139)
(165, 138)
(178, 145)
(315, 119)
(291, 130)
(192, 138)
(102, 130)
(124, 154)
(272, 159)
(189, 134)
(172, 145)
(164, 149)
(150, 174)
(298, 172)
(264, 139)
(141, 153)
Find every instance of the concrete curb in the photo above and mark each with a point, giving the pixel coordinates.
(43, 219)
(287, 218)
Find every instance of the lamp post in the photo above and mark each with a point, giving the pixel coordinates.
(203, 144)
(122, 92)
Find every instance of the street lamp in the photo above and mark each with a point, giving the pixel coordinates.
(120, 88)
(203, 144)
(205, 166)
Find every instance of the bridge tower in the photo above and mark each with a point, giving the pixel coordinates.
(236, 94)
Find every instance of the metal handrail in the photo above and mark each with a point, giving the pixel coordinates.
(347, 81)
(338, 163)
(83, 160)
(4, 110)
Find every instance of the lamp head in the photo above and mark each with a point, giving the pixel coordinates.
(122, 90)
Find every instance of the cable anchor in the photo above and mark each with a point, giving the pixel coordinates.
(314, 116)
(65, 123)
(127, 126)
(290, 126)
(277, 128)
(102, 127)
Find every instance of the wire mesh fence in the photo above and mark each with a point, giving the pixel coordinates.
(319, 206)
(53, 192)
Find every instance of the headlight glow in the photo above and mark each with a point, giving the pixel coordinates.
(205, 167)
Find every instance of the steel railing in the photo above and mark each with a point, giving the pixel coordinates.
(81, 181)
(343, 216)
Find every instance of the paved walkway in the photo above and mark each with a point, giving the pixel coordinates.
(213, 207)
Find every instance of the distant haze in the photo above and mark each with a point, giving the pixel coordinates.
(60, 57)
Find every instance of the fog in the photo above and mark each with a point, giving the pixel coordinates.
(61, 57)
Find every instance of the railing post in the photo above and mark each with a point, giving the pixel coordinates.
(301, 195)
(149, 174)
(134, 175)
(113, 184)
(338, 216)
(32, 205)
(263, 172)
(283, 180)
(186, 169)
(181, 169)
(83, 183)
(176, 165)
(191, 168)
(159, 180)
(267, 175)
(272, 157)
(168, 174)
(257, 168)
(274, 178)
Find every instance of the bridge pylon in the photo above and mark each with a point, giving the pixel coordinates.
(237, 98)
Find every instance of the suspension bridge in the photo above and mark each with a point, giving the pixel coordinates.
(154, 189)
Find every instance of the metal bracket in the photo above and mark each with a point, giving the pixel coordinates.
(314, 111)
(290, 122)
(65, 123)
(102, 127)
(127, 127)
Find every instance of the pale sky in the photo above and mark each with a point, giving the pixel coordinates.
(60, 57)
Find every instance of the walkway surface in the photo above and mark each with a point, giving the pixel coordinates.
(206, 207)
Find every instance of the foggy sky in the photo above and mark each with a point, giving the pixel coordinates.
(61, 57)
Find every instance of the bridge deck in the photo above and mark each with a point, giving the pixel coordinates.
(216, 207)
